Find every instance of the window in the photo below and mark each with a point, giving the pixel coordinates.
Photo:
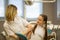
(34, 10)
(58, 8)
(30, 11)
(2, 8)
(19, 4)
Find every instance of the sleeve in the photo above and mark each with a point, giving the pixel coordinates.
(25, 22)
(7, 30)
(28, 26)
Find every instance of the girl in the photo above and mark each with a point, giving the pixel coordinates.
(40, 29)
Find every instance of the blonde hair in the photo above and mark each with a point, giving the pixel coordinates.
(11, 11)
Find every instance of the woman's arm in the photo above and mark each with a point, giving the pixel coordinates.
(28, 31)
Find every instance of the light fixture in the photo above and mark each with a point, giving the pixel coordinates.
(28, 2)
(49, 1)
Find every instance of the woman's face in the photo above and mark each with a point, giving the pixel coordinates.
(40, 20)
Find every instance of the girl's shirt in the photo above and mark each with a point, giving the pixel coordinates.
(39, 33)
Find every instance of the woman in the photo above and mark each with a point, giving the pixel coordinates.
(14, 24)
(40, 29)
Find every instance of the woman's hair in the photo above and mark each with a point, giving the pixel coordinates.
(11, 11)
(45, 20)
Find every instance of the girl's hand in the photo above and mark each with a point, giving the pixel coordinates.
(29, 35)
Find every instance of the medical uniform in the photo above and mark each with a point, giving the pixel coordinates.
(39, 34)
(16, 26)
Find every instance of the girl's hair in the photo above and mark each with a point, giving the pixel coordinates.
(45, 19)
(11, 11)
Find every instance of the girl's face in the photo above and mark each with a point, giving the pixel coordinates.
(40, 20)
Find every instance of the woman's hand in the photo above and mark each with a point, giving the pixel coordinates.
(14, 36)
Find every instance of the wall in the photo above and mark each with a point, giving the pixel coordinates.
(50, 9)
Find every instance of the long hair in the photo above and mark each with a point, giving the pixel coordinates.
(45, 19)
(11, 11)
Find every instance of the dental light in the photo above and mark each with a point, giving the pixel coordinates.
(43, 1)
